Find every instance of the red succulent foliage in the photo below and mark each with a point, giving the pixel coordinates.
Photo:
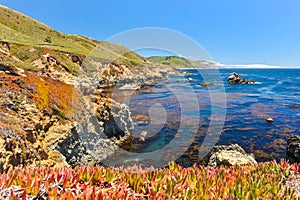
(260, 181)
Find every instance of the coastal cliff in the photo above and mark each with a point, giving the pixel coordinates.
(46, 86)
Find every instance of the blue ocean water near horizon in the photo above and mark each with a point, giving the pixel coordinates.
(276, 95)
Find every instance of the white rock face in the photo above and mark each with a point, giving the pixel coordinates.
(229, 156)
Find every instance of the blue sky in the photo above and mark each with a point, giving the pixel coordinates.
(232, 31)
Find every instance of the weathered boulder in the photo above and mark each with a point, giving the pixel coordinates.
(229, 156)
(293, 149)
(235, 79)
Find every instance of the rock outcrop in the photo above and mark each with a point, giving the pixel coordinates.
(293, 149)
(54, 106)
(54, 117)
(235, 79)
(42, 123)
(229, 156)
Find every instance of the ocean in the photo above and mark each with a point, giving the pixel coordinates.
(162, 113)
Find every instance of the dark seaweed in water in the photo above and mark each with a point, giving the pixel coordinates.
(276, 95)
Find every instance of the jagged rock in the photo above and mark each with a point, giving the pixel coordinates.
(95, 136)
(235, 79)
(68, 142)
(116, 119)
(293, 149)
(79, 146)
(229, 156)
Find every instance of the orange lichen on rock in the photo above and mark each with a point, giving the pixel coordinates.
(51, 95)
(30, 106)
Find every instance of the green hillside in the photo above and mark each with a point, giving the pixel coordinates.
(174, 61)
(25, 33)
(180, 62)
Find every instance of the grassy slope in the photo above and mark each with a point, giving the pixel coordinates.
(179, 62)
(170, 61)
(25, 32)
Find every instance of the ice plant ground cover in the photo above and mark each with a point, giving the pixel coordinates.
(261, 181)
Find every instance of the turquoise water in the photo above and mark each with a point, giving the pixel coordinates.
(276, 95)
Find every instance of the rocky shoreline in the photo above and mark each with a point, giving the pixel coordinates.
(52, 117)
(61, 125)
(45, 120)
(80, 136)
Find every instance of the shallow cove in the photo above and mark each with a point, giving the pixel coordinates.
(276, 95)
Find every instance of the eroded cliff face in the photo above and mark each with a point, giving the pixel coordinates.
(54, 117)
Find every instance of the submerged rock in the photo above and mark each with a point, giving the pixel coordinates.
(294, 107)
(229, 156)
(293, 149)
(235, 79)
(205, 84)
